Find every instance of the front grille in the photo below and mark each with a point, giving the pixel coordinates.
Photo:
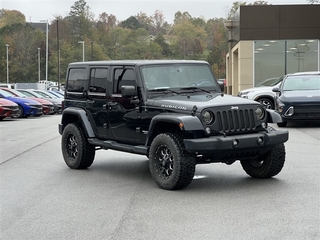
(307, 112)
(12, 107)
(236, 120)
(37, 106)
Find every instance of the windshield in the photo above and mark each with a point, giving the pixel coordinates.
(298, 83)
(30, 94)
(178, 76)
(270, 82)
(6, 93)
(18, 93)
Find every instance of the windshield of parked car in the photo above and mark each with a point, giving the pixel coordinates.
(17, 93)
(270, 82)
(298, 83)
(179, 77)
(6, 93)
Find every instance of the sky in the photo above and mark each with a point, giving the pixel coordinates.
(37, 10)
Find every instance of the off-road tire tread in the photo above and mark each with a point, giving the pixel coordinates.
(273, 162)
(86, 150)
(186, 160)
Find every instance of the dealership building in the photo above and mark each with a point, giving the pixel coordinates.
(269, 41)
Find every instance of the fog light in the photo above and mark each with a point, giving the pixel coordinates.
(208, 130)
(235, 143)
(289, 112)
(260, 140)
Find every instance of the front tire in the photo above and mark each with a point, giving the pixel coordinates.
(20, 113)
(267, 103)
(77, 152)
(267, 166)
(171, 166)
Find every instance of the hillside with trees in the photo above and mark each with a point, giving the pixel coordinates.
(105, 38)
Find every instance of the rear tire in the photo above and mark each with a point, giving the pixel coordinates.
(171, 166)
(77, 152)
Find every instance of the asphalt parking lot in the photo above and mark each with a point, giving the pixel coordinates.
(116, 198)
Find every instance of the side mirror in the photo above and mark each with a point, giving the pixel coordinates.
(128, 91)
(221, 85)
(275, 89)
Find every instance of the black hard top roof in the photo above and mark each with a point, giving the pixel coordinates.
(135, 62)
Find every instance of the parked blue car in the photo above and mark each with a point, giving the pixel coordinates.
(26, 106)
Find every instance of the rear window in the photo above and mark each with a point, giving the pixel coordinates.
(77, 81)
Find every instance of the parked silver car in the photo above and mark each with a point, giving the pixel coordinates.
(263, 92)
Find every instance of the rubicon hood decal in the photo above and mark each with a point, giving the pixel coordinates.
(173, 106)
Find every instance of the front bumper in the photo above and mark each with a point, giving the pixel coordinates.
(57, 108)
(35, 110)
(236, 146)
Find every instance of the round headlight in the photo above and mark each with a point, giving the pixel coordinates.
(259, 113)
(207, 117)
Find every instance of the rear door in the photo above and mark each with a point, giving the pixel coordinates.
(97, 101)
(77, 83)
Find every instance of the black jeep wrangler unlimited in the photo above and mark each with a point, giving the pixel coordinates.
(172, 111)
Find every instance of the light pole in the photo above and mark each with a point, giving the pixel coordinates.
(7, 46)
(47, 45)
(82, 42)
(58, 51)
(91, 50)
(39, 64)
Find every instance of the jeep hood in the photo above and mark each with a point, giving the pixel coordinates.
(187, 102)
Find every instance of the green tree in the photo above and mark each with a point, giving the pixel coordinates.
(145, 21)
(188, 40)
(159, 23)
(234, 9)
(24, 41)
(131, 23)
(9, 17)
(80, 18)
(160, 40)
(236, 6)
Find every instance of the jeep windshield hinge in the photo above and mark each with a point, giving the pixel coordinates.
(194, 110)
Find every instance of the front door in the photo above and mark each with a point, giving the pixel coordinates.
(124, 116)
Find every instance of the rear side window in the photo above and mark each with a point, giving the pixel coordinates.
(98, 80)
(77, 81)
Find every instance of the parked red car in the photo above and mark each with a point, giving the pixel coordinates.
(8, 108)
(47, 106)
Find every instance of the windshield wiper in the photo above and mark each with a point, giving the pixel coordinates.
(163, 90)
(197, 88)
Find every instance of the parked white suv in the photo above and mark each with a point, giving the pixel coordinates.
(263, 92)
(7, 85)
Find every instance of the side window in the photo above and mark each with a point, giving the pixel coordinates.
(98, 80)
(123, 76)
(76, 80)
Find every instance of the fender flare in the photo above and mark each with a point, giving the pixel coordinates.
(189, 122)
(80, 114)
(273, 116)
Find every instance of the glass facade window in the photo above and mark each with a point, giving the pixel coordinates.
(273, 59)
